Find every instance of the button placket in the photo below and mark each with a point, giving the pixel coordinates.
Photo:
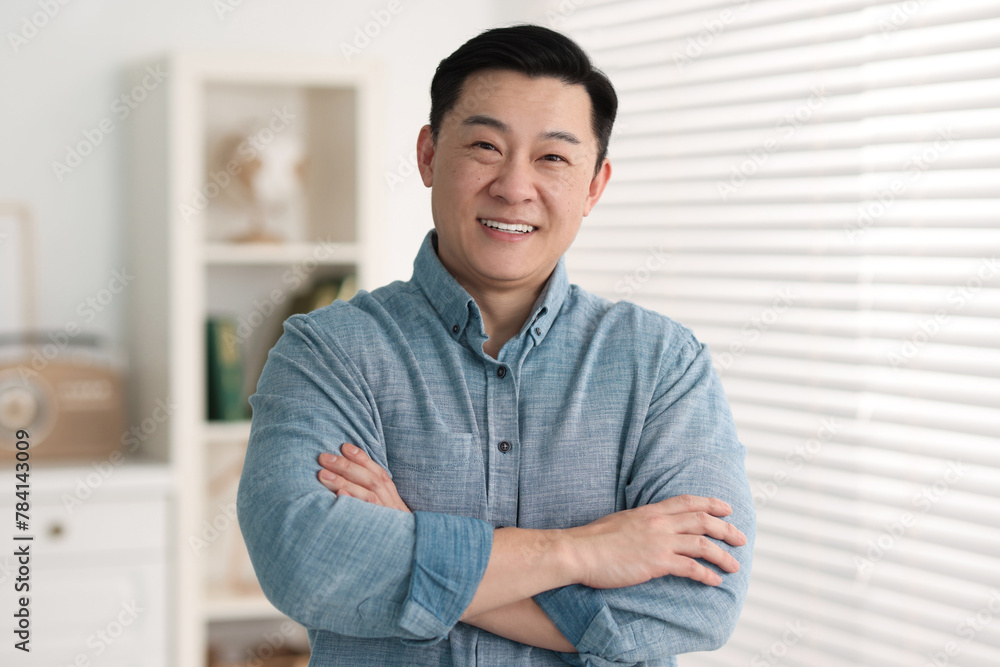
(503, 429)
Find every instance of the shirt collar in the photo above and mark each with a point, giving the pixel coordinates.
(452, 301)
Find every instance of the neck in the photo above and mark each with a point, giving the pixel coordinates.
(503, 311)
(504, 305)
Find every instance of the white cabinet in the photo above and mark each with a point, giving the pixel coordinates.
(98, 567)
(187, 203)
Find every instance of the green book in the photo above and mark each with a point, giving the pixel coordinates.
(225, 371)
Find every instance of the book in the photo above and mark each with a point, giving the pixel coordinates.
(225, 371)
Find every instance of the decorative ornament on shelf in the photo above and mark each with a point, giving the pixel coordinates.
(265, 198)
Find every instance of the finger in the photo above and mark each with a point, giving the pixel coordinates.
(690, 503)
(699, 546)
(703, 523)
(362, 483)
(357, 455)
(692, 569)
(350, 470)
(343, 487)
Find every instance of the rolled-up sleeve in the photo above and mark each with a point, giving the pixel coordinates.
(340, 564)
(688, 446)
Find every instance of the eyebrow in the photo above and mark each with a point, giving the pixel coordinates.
(500, 126)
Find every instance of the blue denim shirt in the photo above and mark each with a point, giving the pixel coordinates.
(594, 407)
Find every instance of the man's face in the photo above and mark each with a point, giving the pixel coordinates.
(513, 152)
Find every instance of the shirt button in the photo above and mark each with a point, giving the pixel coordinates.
(454, 329)
(538, 331)
(504, 446)
(501, 372)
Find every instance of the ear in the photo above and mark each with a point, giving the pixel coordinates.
(597, 185)
(425, 155)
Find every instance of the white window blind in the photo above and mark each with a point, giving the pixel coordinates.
(814, 188)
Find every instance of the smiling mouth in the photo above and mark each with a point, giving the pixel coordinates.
(506, 227)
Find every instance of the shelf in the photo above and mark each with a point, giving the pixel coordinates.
(225, 605)
(221, 433)
(321, 252)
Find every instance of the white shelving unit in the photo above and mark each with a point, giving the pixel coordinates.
(184, 273)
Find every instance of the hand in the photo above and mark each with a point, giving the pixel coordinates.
(634, 546)
(354, 474)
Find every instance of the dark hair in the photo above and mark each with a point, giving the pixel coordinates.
(534, 51)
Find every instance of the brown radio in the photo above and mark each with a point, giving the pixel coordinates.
(71, 405)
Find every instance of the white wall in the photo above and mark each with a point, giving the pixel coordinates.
(62, 81)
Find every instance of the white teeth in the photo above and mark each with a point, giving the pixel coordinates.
(504, 227)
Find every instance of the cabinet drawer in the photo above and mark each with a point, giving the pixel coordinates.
(95, 526)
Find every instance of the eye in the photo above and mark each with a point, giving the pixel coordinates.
(484, 144)
(554, 158)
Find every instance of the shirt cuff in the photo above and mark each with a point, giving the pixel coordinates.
(584, 618)
(449, 561)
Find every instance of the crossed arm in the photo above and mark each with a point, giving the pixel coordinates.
(622, 549)
(555, 589)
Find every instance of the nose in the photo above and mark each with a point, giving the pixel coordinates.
(514, 183)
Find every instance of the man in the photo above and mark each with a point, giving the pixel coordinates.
(487, 465)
